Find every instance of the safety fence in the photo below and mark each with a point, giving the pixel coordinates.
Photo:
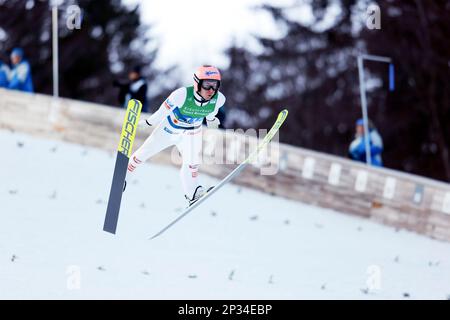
(387, 196)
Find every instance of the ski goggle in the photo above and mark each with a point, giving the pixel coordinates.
(210, 84)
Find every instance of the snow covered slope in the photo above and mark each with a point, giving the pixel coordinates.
(240, 244)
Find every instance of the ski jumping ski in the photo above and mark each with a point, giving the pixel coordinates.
(280, 119)
(120, 170)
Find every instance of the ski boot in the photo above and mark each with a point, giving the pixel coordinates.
(198, 193)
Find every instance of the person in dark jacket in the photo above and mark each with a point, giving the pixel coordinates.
(134, 88)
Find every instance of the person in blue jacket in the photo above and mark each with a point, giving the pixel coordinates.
(20, 77)
(4, 75)
(357, 149)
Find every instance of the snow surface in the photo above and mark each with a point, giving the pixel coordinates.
(240, 244)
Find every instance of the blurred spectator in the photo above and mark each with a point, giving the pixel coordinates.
(4, 75)
(357, 149)
(20, 76)
(135, 88)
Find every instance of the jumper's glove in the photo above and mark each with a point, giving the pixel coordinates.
(213, 124)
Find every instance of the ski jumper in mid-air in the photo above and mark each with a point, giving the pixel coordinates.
(178, 121)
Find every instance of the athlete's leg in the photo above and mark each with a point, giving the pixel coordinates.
(190, 148)
(161, 138)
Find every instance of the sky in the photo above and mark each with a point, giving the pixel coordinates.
(257, 246)
(195, 32)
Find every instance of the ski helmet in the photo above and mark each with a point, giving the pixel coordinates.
(206, 72)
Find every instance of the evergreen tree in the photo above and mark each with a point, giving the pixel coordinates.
(312, 71)
(416, 116)
(110, 42)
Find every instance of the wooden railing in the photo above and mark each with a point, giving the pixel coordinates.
(390, 197)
